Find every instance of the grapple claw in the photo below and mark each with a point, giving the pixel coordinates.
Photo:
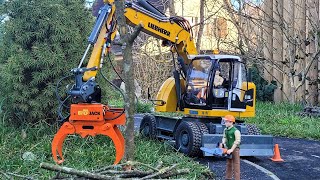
(91, 120)
(57, 143)
(117, 139)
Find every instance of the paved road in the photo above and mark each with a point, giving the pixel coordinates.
(301, 156)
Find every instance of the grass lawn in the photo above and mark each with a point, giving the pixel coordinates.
(94, 153)
(281, 119)
(82, 154)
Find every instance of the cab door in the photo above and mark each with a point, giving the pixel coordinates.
(237, 92)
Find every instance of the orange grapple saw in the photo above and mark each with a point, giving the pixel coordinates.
(88, 117)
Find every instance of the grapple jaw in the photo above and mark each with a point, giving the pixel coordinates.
(91, 120)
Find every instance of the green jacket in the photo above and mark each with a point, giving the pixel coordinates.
(230, 136)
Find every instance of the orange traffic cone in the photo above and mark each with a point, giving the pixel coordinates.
(276, 157)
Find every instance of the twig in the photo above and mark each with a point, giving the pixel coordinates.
(138, 175)
(109, 167)
(20, 176)
(132, 163)
(160, 163)
(175, 173)
(3, 173)
(161, 171)
(122, 172)
(74, 171)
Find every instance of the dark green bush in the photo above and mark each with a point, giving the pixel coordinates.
(43, 40)
(265, 90)
(143, 107)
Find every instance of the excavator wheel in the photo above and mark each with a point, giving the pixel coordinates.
(253, 129)
(148, 126)
(203, 130)
(188, 138)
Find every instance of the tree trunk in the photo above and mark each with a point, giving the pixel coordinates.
(288, 55)
(128, 69)
(172, 11)
(267, 34)
(300, 35)
(312, 19)
(277, 46)
(201, 26)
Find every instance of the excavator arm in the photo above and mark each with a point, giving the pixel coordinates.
(173, 31)
(88, 117)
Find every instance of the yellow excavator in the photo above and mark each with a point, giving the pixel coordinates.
(203, 87)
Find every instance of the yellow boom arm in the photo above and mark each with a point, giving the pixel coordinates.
(175, 30)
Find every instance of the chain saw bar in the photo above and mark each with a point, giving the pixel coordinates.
(91, 120)
(217, 152)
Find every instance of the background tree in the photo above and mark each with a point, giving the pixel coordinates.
(43, 40)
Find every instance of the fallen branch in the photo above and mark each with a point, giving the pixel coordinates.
(161, 171)
(128, 163)
(175, 173)
(74, 171)
(109, 173)
(160, 163)
(9, 175)
(5, 175)
(138, 174)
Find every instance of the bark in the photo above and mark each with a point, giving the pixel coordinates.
(300, 35)
(267, 36)
(74, 171)
(160, 172)
(106, 173)
(312, 25)
(288, 49)
(172, 11)
(128, 69)
(277, 46)
(201, 25)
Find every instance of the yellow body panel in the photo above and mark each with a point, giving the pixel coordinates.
(177, 35)
(168, 94)
(216, 113)
(249, 109)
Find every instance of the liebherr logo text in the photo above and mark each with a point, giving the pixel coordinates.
(159, 29)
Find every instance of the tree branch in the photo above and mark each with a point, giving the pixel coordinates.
(74, 171)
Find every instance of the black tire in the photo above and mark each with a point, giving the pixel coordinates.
(188, 138)
(148, 126)
(252, 129)
(203, 130)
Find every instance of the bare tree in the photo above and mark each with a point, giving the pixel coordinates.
(201, 25)
(287, 29)
(312, 38)
(128, 68)
(277, 49)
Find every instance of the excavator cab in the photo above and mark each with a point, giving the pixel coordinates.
(217, 82)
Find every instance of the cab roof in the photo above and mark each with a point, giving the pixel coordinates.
(214, 56)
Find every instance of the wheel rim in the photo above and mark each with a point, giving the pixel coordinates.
(184, 138)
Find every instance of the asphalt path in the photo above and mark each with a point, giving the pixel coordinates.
(301, 161)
